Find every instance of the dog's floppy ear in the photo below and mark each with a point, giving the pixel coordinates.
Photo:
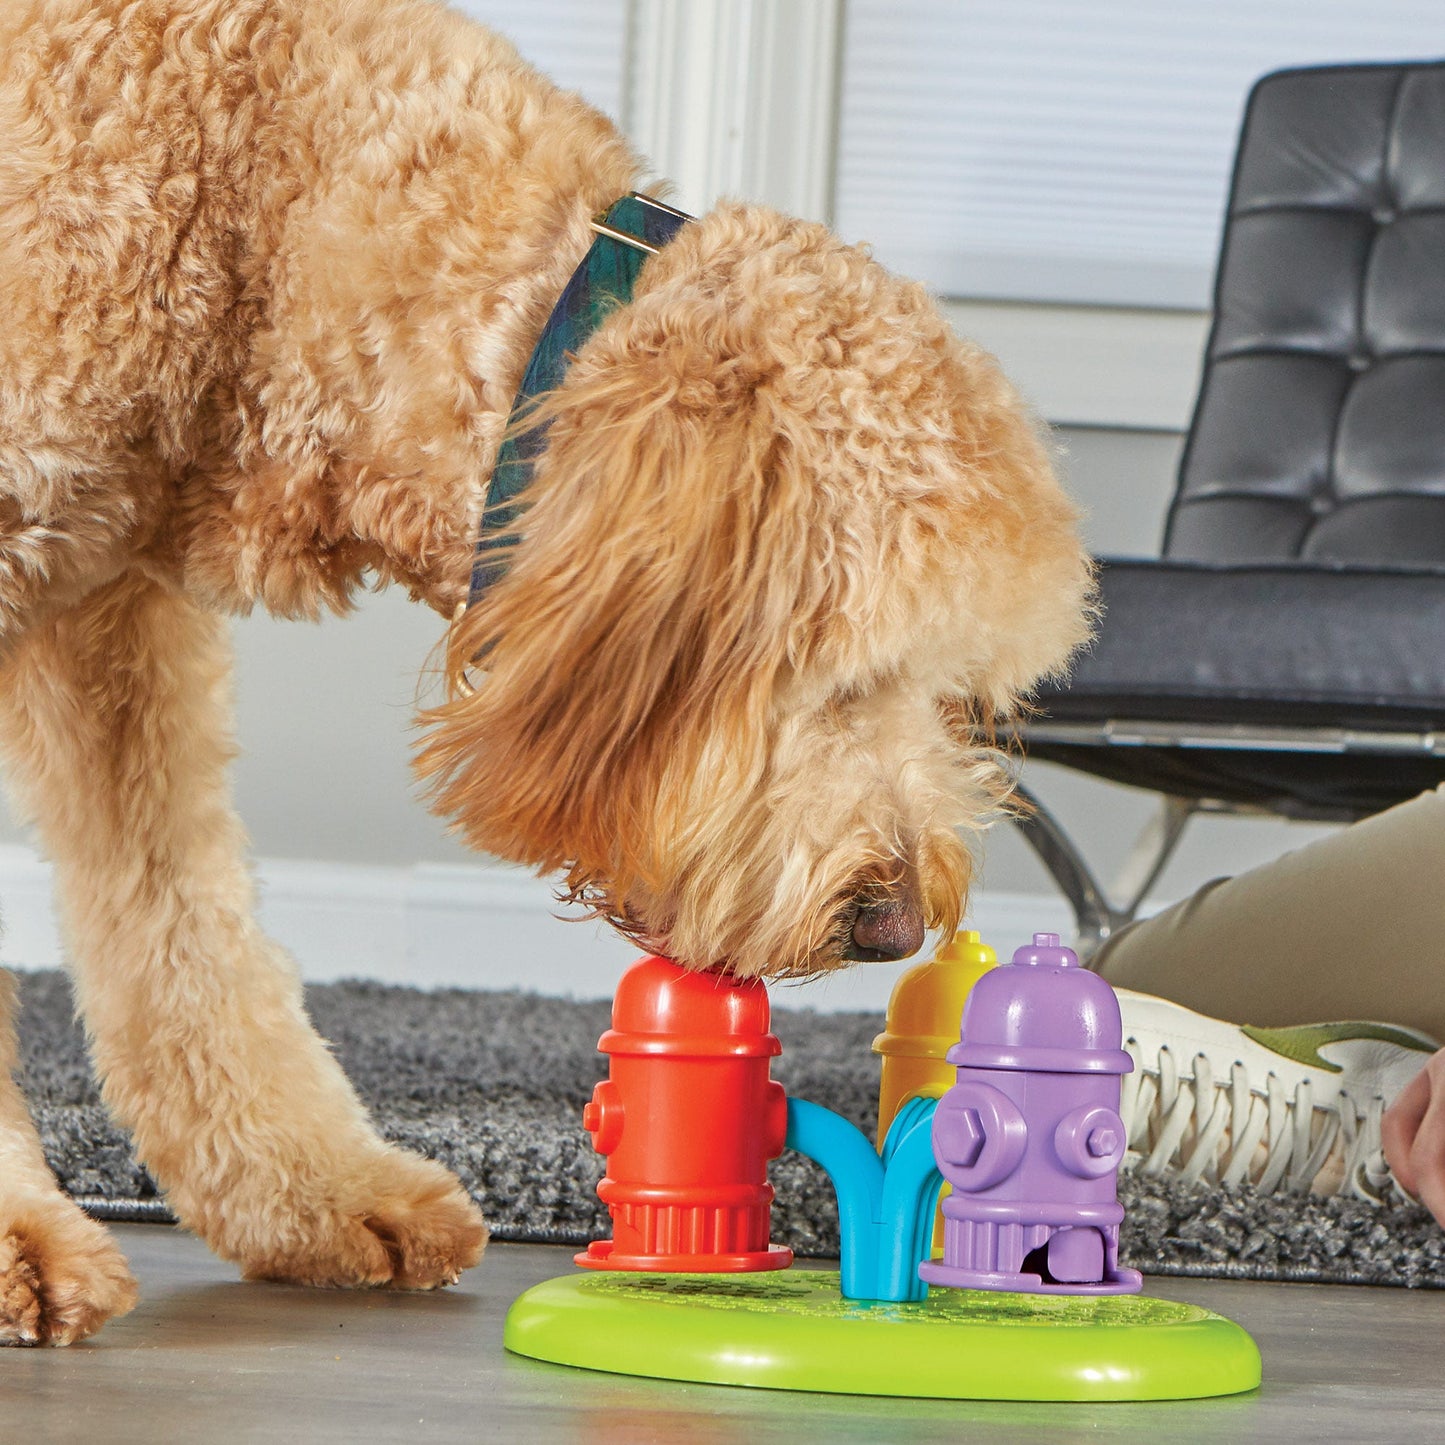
(645, 618)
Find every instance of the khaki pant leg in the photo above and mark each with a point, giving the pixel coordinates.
(1350, 927)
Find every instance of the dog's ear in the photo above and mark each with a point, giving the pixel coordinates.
(642, 625)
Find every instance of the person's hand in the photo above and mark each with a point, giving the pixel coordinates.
(1413, 1133)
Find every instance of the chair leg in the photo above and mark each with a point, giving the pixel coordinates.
(1152, 850)
(1096, 917)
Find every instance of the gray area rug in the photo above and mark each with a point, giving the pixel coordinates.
(492, 1084)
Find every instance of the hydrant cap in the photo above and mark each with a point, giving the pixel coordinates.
(928, 999)
(1045, 950)
(1045, 1014)
(663, 1008)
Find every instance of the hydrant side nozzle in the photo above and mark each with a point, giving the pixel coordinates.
(602, 1117)
(775, 1130)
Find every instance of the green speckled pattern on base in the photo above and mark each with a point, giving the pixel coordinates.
(795, 1332)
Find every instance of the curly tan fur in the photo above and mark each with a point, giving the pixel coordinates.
(270, 271)
(782, 518)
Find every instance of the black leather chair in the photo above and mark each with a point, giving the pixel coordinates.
(1286, 653)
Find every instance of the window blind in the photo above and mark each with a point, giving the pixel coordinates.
(1072, 150)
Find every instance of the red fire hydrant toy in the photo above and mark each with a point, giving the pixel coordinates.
(688, 1119)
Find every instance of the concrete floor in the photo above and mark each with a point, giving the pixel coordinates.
(207, 1358)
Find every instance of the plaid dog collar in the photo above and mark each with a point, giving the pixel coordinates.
(630, 231)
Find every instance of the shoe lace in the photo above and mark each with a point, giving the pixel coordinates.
(1232, 1130)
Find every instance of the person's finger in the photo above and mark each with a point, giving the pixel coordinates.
(1400, 1125)
(1427, 1152)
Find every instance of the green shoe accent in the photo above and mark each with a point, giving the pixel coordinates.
(1302, 1042)
(794, 1331)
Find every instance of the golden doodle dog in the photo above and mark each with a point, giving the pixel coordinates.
(270, 273)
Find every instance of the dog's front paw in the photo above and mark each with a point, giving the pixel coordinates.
(402, 1223)
(61, 1275)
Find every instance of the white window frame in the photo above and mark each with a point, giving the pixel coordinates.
(740, 97)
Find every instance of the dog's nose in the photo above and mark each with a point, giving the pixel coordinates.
(886, 930)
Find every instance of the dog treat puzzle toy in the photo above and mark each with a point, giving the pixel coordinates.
(1016, 1107)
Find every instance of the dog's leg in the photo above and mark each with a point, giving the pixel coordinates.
(115, 719)
(61, 1276)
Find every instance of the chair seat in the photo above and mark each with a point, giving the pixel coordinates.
(1336, 675)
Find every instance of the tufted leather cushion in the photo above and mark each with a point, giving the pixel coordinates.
(1277, 646)
(1319, 433)
(1284, 645)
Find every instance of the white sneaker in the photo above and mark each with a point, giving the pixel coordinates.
(1293, 1109)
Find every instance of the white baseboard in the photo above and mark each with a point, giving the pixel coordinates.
(483, 926)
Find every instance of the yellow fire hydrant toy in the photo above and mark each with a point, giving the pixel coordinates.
(922, 1023)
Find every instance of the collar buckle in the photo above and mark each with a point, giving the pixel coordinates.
(601, 227)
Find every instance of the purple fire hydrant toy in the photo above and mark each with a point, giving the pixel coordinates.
(1030, 1136)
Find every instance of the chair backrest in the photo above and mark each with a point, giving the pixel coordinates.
(1319, 432)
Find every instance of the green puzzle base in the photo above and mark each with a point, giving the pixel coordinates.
(794, 1331)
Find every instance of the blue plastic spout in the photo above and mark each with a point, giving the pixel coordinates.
(885, 1203)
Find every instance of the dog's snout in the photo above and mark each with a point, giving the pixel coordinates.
(885, 930)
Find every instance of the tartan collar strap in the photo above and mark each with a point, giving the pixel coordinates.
(624, 236)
